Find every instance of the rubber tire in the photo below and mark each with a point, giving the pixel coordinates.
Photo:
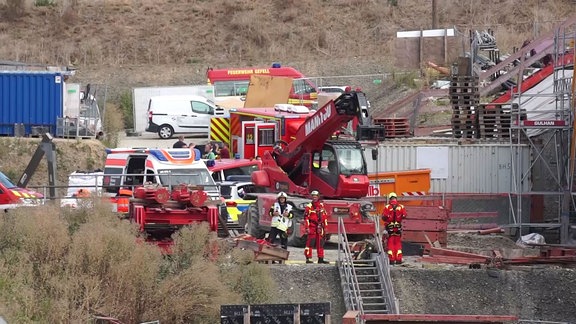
(165, 131)
(243, 220)
(252, 226)
(293, 239)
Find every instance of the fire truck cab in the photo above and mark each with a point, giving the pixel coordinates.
(12, 196)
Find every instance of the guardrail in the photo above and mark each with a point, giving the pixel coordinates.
(350, 286)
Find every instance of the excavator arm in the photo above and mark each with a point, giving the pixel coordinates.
(48, 148)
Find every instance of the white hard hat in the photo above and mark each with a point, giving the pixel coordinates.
(315, 193)
(282, 194)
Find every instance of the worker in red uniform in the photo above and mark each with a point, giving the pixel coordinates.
(392, 216)
(315, 224)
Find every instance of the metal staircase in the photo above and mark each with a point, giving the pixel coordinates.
(366, 283)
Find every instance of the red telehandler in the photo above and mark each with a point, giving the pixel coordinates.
(317, 160)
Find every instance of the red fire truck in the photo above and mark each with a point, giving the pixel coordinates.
(252, 131)
(234, 83)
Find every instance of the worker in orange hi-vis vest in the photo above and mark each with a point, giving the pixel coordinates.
(393, 215)
(315, 222)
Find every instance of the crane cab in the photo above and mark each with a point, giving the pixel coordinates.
(340, 169)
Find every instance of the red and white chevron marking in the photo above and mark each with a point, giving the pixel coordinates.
(413, 193)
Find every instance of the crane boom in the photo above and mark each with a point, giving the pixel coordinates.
(320, 127)
(314, 161)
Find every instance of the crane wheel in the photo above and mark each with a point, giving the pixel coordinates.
(253, 226)
(294, 238)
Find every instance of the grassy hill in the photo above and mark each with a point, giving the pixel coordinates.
(127, 43)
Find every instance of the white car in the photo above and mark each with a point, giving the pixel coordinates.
(191, 114)
(332, 89)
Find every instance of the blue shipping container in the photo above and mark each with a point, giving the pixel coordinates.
(32, 99)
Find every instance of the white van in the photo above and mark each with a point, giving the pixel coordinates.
(169, 115)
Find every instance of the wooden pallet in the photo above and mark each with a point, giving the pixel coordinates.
(457, 90)
(495, 120)
(394, 127)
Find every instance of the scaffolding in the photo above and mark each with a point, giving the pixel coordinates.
(545, 121)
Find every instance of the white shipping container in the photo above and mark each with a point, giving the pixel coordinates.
(141, 97)
(459, 168)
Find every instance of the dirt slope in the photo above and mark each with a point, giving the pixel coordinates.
(71, 155)
(125, 43)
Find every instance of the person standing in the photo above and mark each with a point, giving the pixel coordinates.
(315, 224)
(180, 143)
(393, 215)
(208, 153)
(281, 212)
(225, 152)
(197, 153)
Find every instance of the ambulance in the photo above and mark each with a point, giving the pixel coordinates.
(127, 168)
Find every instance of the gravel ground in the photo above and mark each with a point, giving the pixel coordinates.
(536, 293)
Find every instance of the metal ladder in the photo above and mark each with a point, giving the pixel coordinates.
(366, 284)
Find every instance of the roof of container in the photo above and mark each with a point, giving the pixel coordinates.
(30, 72)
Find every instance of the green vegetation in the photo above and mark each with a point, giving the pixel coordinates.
(44, 3)
(126, 109)
(59, 265)
(113, 123)
(406, 79)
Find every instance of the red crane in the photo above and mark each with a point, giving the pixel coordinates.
(318, 160)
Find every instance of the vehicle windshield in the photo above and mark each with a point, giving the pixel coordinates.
(351, 161)
(196, 177)
(6, 182)
(231, 88)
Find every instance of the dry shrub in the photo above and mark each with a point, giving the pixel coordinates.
(252, 281)
(113, 122)
(59, 265)
(15, 9)
(200, 280)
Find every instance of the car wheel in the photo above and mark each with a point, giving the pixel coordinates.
(165, 132)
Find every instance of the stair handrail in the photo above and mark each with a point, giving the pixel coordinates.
(351, 288)
(383, 265)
